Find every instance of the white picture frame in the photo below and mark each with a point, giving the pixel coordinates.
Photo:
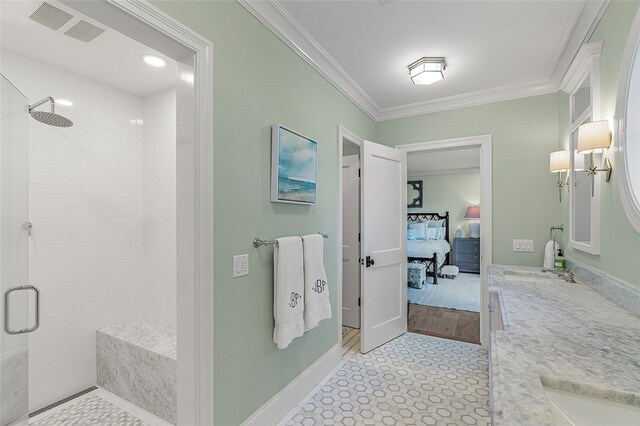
(294, 167)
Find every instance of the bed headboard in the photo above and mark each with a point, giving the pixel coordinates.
(414, 217)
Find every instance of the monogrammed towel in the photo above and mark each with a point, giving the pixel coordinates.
(288, 292)
(316, 290)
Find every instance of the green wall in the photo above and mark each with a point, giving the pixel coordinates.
(259, 81)
(524, 132)
(620, 243)
(452, 192)
(249, 369)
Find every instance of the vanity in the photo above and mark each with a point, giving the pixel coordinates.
(549, 334)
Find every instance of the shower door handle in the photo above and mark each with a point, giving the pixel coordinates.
(7, 328)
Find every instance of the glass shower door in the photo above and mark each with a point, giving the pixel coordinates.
(14, 228)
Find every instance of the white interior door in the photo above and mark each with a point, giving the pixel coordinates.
(351, 241)
(384, 244)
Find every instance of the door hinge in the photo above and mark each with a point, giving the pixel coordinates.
(358, 172)
(358, 301)
(358, 236)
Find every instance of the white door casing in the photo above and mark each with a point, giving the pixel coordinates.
(350, 241)
(384, 244)
(484, 142)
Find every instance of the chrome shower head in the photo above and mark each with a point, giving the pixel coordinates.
(50, 118)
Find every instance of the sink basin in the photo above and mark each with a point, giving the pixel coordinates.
(571, 409)
(496, 321)
(527, 276)
(538, 274)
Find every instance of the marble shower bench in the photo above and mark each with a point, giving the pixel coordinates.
(136, 360)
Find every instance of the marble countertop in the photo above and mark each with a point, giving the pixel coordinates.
(564, 335)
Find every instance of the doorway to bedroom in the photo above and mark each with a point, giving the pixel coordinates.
(444, 247)
(350, 248)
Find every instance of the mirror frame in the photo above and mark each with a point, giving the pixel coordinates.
(630, 200)
(585, 65)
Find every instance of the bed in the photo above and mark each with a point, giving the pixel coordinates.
(433, 253)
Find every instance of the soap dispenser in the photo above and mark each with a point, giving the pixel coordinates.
(560, 262)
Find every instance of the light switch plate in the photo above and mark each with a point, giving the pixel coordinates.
(240, 265)
(523, 245)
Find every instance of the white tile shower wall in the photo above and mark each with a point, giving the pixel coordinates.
(86, 206)
(159, 210)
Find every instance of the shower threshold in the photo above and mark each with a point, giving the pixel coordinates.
(94, 406)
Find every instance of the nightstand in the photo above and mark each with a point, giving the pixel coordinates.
(466, 254)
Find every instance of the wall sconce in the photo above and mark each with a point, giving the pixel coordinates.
(473, 213)
(427, 70)
(595, 136)
(560, 161)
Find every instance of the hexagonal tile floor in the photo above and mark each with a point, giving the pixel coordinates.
(412, 380)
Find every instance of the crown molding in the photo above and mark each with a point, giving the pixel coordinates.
(282, 24)
(505, 93)
(285, 27)
(583, 28)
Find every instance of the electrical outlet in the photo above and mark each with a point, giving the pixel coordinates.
(240, 265)
(523, 245)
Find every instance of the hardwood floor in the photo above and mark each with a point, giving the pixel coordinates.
(447, 323)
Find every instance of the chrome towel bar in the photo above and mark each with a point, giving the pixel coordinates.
(257, 242)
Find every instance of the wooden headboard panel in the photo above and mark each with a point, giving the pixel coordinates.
(414, 217)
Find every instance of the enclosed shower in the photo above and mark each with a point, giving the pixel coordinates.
(88, 253)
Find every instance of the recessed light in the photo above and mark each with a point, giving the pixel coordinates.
(64, 102)
(154, 61)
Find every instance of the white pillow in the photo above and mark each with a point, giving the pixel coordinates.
(419, 230)
(441, 233)
(435, 223)
(432, 233)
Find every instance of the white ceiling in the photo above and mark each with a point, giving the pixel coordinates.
(111, 58)
(495, 50)
(440, 162)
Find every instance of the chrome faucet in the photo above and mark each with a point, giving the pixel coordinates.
(566, 274)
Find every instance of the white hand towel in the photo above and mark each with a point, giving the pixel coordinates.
(316, 290)
(549, 251)
(288, 292)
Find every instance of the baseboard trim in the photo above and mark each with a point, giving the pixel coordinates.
(284, 401)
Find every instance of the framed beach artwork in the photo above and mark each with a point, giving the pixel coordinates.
(294, 167)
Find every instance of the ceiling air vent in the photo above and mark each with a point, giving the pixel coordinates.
(84, 31)
(50, 16)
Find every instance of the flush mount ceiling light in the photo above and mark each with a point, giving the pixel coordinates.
(154, 61)
(427, 70)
